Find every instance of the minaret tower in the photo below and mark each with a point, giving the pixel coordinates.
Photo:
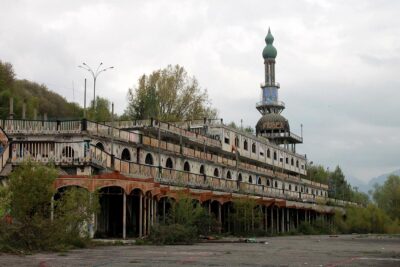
(272, 124)
(269, 96)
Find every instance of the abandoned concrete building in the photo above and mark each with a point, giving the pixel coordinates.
(137, 165)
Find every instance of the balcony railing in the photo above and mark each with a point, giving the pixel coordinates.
(284, 134)
(80, 153)
(275, 84)
(268, 102)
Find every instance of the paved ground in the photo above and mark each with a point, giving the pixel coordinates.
(350, 250)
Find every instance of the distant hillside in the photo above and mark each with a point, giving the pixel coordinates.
(36, 96)
(361, 185)
(382, 178)
(365, 187)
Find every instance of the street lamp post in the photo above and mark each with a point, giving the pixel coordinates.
(95, 74)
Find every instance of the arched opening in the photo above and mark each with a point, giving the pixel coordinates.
(297, 163)
(290, 187)
(295, 188)
(149, 159)
(275, 157)
(245, 145)
(250, 179)
(253, 148)
(292, 162)
(268, 182)
(228, 175)
(133, 213)
(186, 167)
(268, 153)
(287, 160)
(202, 169)
(62, 190)
(109, 220)
(216, 172)
(240, 177)
(169, 164)
(259, 180)
(164, 206)
(100, 145)
(68, 152)
(276, 184)
(237, 144)
(126, 155)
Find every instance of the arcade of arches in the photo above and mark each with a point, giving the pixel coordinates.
(129, 207)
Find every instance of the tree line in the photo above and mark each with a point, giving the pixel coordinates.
(168, 94)
(339, 187)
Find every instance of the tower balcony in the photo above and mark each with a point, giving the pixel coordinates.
(270, 84)
(271, 103)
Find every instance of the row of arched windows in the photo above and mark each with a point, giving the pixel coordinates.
(186, 167)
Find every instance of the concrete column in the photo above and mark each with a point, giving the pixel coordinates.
(288, 220)
(52, 208)
(266, 218)
(124, 215)
(297, 218)
(24, 111)
(272, 220)
(91, 222)
(283, 220)
(252, 220)
(220, 216)
(164, 210)
(277, 220)
(150, 211)
(140, 216)
(11, 111)
(155, 211)
(145, 215)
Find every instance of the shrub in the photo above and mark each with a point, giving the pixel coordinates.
(306, 229)
(33, 227)
(247, 216)
(172, 234)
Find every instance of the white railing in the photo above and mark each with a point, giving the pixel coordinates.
(4, 155)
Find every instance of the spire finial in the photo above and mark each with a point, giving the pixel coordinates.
(269, 39)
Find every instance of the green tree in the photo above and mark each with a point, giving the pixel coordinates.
(169, 94)
(38, 222)
(101, 112)
(6, 83)
(318, 174)
(387, 196)
(247, 216)
(34, 95)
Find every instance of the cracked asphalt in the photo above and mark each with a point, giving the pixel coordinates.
(342, 250)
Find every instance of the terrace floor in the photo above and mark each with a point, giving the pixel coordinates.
(342, 250)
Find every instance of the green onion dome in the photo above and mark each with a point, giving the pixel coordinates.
(269, 50)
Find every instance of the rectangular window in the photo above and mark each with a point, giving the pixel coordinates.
(226, 140)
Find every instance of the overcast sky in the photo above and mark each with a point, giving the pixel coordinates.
(338, 62)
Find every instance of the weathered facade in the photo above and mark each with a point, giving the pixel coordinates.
(137, 165)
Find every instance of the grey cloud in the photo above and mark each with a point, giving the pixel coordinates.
(337, 61)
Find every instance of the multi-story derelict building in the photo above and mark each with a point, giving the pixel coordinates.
(137, 165)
